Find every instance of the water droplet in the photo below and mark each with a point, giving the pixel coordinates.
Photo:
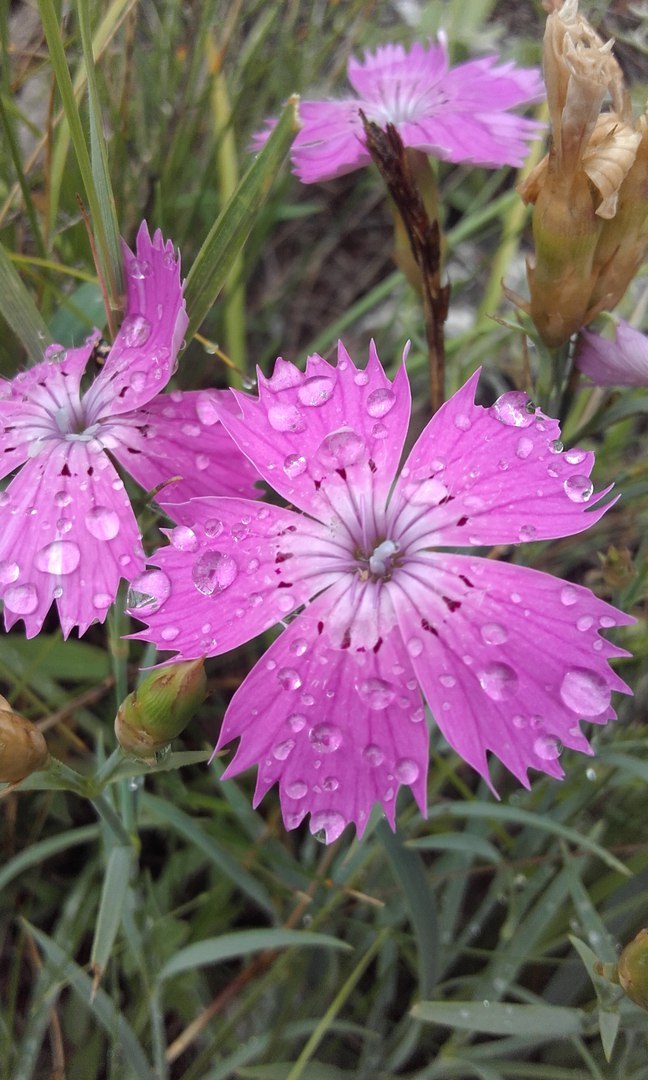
(299, 646)
(285, 603)
(373, 755)
(169, 633)
(192, 431)
(606, 621)
(376, 693)
(60, 557)
(286, 418)
(590, 774)
(499, 681)
(429, 493)
(584, 622)
(547, 748)
(296, 789)
(329, 823)
(578, 488)
(294, 465)
(575, 456)
(63, 498)
(379, 431)
(524, 447)
(135, 330)
(202, 462)
(138, 381)
(4, 498)
(527, 532)
(240, 531)
(315, 390)
(341, 449)
(9, 571)
(518, 721)
(494, 634)
(283, 749)
(183, 538)
(101, 601)
(448, 681)
(462, 422)
(361, 378)
(511, 409)
(289, 679)
(415, 646)
(380, 402)
(148, 592)
(57, 592)
(213, 572)
(568, 595)
(102, 523)
(585, 692)
(406, 771)
(330, 783)
(206, 410)
(139, 269)
(296, 722)
(213, 528)
(21, 599)
(325, 738)
(55, 353)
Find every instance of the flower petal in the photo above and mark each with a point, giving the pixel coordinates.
(179, 435)
(309, 433)
(229, 573)
(331, 141)
(29, 400)
(622, 362)
(339, 730)
(481, 476)
(143, 356)
(394, 76)
(510, 659)
(68, 534)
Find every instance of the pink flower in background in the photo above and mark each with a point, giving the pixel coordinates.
(380, 615)
(67, 529)
(456, 114)
(621, 362)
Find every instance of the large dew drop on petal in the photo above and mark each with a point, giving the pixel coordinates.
(214, 572)
(585, 692)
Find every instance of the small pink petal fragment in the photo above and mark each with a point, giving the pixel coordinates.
(621, 362)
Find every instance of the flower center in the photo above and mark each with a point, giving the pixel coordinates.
(380, 563)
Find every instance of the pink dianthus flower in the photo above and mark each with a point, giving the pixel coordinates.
(67, 529)
(621, 362)
(455, 114)
(380, 614)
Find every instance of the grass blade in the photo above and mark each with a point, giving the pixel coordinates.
(113, 895)
(227, 236)
(20, 311)
(243, 942)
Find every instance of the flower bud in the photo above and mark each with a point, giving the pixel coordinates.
(23, 749)
(590, 199)
(632, 969)
(160, 708)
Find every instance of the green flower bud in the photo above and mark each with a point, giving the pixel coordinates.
(633, 969)
(23, 749)
(160, 708)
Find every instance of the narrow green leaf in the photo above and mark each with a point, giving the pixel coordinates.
(497, 1018)
(66, 90)
(113, 895)
(608, 996)
(464, 843)
(20, 311)
(242, 943)
(515, 816)
(317, 1070)
(168, 814)
(231, 229)
(409, 873)
(125, 1043)
(99, 156)
(45, 849)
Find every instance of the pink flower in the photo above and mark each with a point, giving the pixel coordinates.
(622, 362)
(67, 529)
(377, 608)
(455, 114)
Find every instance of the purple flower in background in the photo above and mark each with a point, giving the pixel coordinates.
(380, 615)
(456, 114)
(621, 362)
(67, 529)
